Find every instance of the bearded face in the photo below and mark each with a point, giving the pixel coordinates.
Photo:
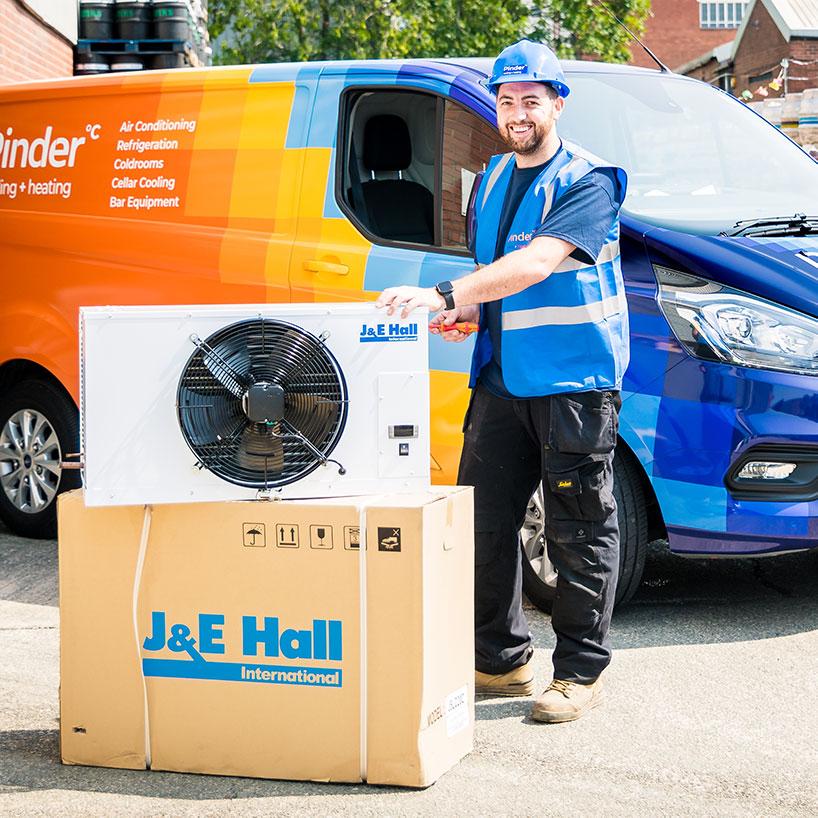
(526, 114)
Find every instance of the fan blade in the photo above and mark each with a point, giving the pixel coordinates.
(260, 451)
(311, 415)
(208, 418)
(223, 373)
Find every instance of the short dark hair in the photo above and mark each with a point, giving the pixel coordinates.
(552, 92)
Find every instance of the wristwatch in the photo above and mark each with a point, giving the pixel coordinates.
(445, 289)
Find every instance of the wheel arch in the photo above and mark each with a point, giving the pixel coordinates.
(656, 521)
(18, 370)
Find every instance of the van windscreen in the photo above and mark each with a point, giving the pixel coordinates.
(697, 159)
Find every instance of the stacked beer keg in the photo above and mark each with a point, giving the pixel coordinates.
(130, 35)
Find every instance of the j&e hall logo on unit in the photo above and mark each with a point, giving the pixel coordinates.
(388, 332)
(324, 641)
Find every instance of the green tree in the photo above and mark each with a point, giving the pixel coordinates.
(586, 28)
(281, 30)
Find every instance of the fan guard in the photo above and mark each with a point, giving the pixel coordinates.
(262, 403)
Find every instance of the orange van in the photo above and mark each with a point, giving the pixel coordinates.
(221, 185)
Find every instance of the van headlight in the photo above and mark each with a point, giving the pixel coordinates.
(717, 323)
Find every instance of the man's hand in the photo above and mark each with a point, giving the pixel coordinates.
(409, 298)
(446, 318)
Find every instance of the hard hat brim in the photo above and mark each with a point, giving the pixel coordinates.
(560, 87)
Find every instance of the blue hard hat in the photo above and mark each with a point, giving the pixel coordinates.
(527, 61)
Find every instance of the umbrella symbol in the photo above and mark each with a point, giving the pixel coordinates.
(254, 532)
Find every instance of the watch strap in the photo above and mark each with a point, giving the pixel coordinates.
(445, 289)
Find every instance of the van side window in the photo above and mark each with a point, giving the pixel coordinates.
(409, 160)
(391, 165)
(468, 144)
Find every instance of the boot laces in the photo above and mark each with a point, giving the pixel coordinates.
(561, 686)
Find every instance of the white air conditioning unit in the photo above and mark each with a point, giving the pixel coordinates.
(203, 403)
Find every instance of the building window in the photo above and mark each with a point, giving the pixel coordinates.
(720, 15)
(726, 82)
(761, 78)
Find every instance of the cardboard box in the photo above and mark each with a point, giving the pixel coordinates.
(257, 639)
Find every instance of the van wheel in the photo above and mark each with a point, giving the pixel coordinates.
(39, 425)
(539, 574)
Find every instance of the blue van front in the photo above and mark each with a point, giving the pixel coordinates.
(721, 398)
(720, 402)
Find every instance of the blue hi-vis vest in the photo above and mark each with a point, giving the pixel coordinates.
(568, 333)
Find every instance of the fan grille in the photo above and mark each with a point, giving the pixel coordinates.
(213, 387)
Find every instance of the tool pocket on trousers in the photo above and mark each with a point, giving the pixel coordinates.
(581, 580)
(581, 493)
(583, 423)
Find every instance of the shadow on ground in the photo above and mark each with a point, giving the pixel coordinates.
(30, 760)
(685, 601)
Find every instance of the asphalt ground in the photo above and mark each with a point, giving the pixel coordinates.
(712, 710)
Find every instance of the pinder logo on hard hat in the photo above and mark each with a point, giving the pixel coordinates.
(520, 68)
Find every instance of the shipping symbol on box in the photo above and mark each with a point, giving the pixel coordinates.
(253, 535)
(321, 536)
(352, 537)
(388, 539)
(287, 535)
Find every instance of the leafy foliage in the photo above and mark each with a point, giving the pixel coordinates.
(258, 31)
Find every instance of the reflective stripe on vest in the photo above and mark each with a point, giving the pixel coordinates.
(563, 316)
(570, 331)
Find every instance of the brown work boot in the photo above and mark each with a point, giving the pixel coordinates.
(517, 682)
(566, 701)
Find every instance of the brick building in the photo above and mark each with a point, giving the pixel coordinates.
(37, 39)
(771, 31)
(775, 30)
(678, 31)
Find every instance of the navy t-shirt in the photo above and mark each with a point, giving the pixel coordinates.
(582, 216)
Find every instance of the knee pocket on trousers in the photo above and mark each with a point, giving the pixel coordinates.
(581, 576)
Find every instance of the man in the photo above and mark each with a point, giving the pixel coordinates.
(546, 370)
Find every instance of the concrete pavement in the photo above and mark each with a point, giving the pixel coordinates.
(711, 711)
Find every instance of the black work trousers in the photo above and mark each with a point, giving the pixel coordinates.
(567, 441)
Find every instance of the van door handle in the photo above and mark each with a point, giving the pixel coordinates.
(326, 267)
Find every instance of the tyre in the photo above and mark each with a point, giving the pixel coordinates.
(539, 575)
(39, 425)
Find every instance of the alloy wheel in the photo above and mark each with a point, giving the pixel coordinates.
(30, 458)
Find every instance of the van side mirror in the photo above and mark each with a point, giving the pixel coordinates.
(471, 218)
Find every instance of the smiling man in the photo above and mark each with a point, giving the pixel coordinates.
(546, 372)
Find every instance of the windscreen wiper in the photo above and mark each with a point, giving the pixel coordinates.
(797, 225)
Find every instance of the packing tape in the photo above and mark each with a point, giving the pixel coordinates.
(362, 509)
(137, 581)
